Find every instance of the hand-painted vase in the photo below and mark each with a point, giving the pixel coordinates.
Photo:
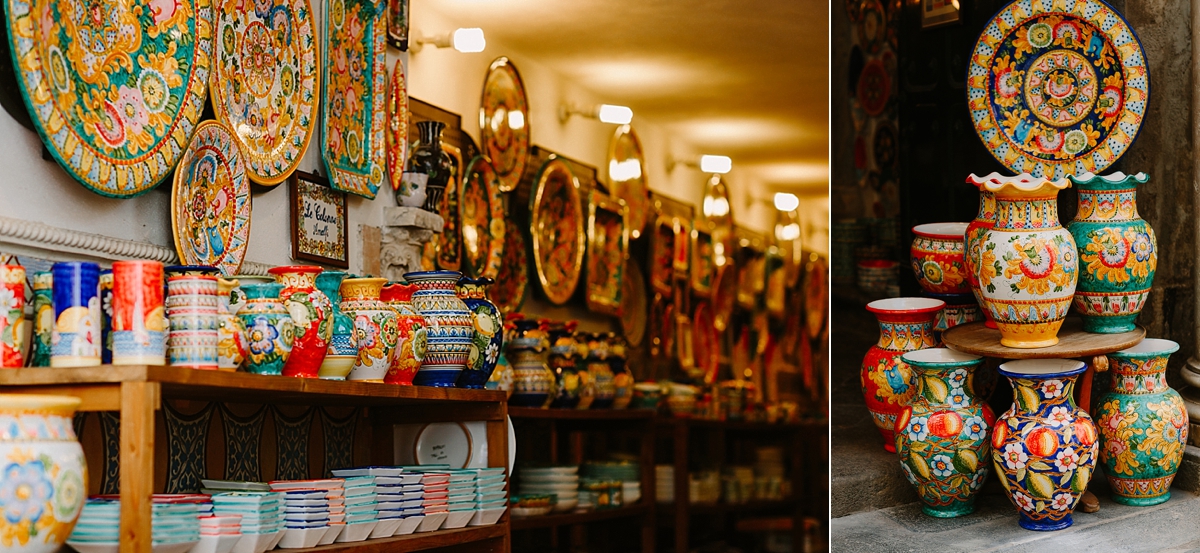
(564, 358)
(533, 381)
(1044, 446)
(374, 327)
(432, 163)
(449, 327)
(237, 298)
(1143, 425)
(310, 310)
(1028, 264)
(622, 377)
(960, 309)
(192, 309)
(75, 338)
(341, 353)
(942, 438)
(599, 371)
(270, 332)
(937, 258)
(412, 341)
(12, 315)
(888, 383)
(139, 322)
(231, 333)
(488, 340)
(43, 317)
(105, 292)
(44, 481)
(984, 219)
(502, 377)
(1117, 251)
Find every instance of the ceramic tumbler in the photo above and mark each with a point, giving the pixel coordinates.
(139, 334)
(12, 315)
(43, 318)
(75, 337)
(192, 308)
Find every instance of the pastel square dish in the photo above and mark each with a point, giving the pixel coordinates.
(409, 525)
(302, 538)
(332, 533)
(485, 517)
(386, 528)
(432, 521)
(458, 519)
(356, 532)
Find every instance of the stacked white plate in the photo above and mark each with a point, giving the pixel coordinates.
(436, 498)
(491, 497)
(218, 534)
(175, 528)
(261, 523)
(361, 513)
(664, 477)
(560, 482)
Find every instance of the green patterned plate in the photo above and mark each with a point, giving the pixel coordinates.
(354, 95)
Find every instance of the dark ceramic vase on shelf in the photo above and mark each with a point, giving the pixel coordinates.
(429, 160)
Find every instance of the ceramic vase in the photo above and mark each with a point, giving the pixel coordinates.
(587, 382)
(1028, 264)
(1143, 425)
(564, 358)
(341, 353)
(937, 258)
(310, 310)
(44, 481)
(231, 333)
(502, 377)
(449, 327)
(139, 330)
(533, 382)
(1044, 446)
(374, 327)
(192, 309)
(622, 377)
(942, 437)
(270, 332)
(237, 298)
(960, 309)
(105, 291)
(1117, 251)
(429, 163)
(75, 336)
(599, 371)
(43, 318)
(888, 383)
(12, 315)
(412, 341)
(488, 339)
(984, 219)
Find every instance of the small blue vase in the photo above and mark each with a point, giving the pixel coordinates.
(488, 341)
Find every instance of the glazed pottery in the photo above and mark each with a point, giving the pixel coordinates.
(341, 353)
(237, 298)
(1143, 425)
(1044, 446)
(960, 309)
(449, 327)
(428, 168)
(599, 371)
(481, 215)
(192, 309)
(44, 482)
(310, 310)
(231, 333)
(43, 318)
(905, 324)
(75, 337)
(533, 381)
(105, 291)
(1117, 252)
(12, 315)
(412, 340)
(374, 327)
(504, 122)
(210, 200)
(564, 358)
(942, 437)
(557, 231)
(139, 335)
(937, 258)
(984, 219)
(1028, 265)
(270, 332)
(502, 377)
(622, 377)
(489, 332)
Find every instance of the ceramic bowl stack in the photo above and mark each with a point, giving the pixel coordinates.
(398, 497)
(560, 482)
(628, 473)
(664, 478)
(218, 534)
(261, 518)
(306, 511)
(530, 504)
(491, 497)
(175, 527)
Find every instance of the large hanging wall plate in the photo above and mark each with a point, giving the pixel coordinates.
(607, 249)
(504, 122)
(117, 111)
(1057, 88)
(556, 213)
(481, 215)
(662, 256)
(354, 95)
(210, 201)
(633, 304)
(397, 125)
(508, 293)
(264, 82)
(627, 177)
(705, 346)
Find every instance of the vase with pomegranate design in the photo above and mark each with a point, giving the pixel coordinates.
(270, 332)
(449, 327)
(888, 383)
(984, 219)
(1143, 425)
(1028, 263)
(937, 258)
(527, 352)
(489, 332)
(231, 333)
(1044, 446)
(341, 353)
(1117, 251)
(375, 329)
(942, 437)
(411, 339)
(310, 309)
(564, 358)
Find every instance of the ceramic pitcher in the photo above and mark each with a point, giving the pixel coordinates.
(270, 332)
(449, 327)
(341, 353)
(488, 339)
(905, 324)
(12, 315)
(599, 371)
(374, 327)
(231, 333)
(622, 377)
(984, 219)
(412, 340)
(564, 356)
(937, 258)
(310, 310)
(43, 318)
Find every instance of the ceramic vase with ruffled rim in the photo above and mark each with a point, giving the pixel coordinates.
(527, 351)
(564, 359)
(888, 383)
(310, 310)
(985, 218)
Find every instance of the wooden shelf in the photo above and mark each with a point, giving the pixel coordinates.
(750, 506)
(577, 414)
(416, 542)
(740, 425)
(569, 519)
(1073, 341)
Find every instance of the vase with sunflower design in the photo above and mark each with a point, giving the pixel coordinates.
(310, 309)
(375, 329)
(1044, 446)
(1143, 425)
(489, 332)
(937, 258)
(888, 383)
(942, 437)
(985, 218)
(1028, 264)
(270, 332)
(1117, 249)
(411, 339)
(43, 474)
(449, 327)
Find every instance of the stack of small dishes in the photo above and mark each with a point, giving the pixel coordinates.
(220, 486)
(436, 498)
(218, 534)
(361, 512)
(398, 496)
(175, 528)
(261, 518)
(461, 498)
(491, 497)
(306, 511)
(530, 505)
(664, 478)
(560, 482)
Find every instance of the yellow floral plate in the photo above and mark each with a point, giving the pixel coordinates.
(556, 212)
(481, 216)
(117, 112)
(210, 201)
(504, 122)
(354, 99)
(264, 82)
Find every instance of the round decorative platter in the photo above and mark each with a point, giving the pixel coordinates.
(633, 304)
(1054, 93)
(508, 293)
(504, 122)
(481, 214)
(354, 95)
(558, 236)
(115, 113)
(397, 126)
(264, 82)
(210, 201)
(874, 88)
(871, 26)
(627, 177)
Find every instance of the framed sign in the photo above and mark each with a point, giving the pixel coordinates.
(936, 13)
(319, 229)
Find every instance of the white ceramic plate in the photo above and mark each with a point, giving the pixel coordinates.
(443, 442)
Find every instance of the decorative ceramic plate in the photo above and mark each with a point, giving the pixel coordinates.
(627, 177)
(504, 122)
(633, 304)
(884, 145)
(716, 210)
(1057, 89)
(854, 10)
(397, 126)
(481, 214)
(724, 296)
(607, 249)
(264, 82)
(874, 88)
(704, 342)
(508, 293)
(816, 295)
(704, 264)
(449, 241)
(683, 246)
(872, 26)
(443, 443)
(353, 95)
(210, 201)
(558, 237)
(664, 325)
(118, 111)
(662, 256)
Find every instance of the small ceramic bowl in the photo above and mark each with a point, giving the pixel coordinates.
(458, 519)
(386, 528)
(356, 532)
(432, 521)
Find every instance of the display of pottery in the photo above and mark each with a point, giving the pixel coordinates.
(527, 351)
(1118, 253)
(231, 333)
(427, 173)
(984, 219)
(270, 331)
(309, 309)
(960, 309)
(627, 177)
(75, 336)
(942, 437)
(557, 230)
(622, 376)
(504, 122)
(43, 318)
(139, 335)
(889, 384)
(192, 309)
(210, 201)
(1044, 446)
(12, 315)
(481, 216)
(449, 327)
(354, 78)
(342, 352)
(412, 340)
(564, 360)
(375, 327)
(1028, 263)
(598, 369)
(937, 258)
(488, 339)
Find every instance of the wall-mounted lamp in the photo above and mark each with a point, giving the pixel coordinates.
(465, 40)
(786, 202)
(606, 113)
(708, 164)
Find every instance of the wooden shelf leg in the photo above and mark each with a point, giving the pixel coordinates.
(682, 492)
(649, 493)
(139, 401)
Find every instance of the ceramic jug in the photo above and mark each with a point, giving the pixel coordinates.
(533, 382)
(622, 377)
(449, 327)
(599, 371)
(888, 383)
(488, 339)
(984, 219)
(412, 341)
(231, 333)
(429, 163)
(341, 353)
(937, 258)
(270, 332)
(43, 318)
(564, 356)
(310, 309)
(374, 327)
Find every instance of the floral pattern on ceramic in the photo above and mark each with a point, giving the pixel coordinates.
(12, 315)
(942, 437)
(984, 219)
(1028, 263)
(599, 371)
(270, 332)
(504, 122)
(342, 352)
(139, 328)
(1143, 425)
(937, 258)
(449, 327)
(75, 337)
(412, 341)
(888, 383)
(375, 328)
(533, 381)
(397, 126)
(960, 309)
(1044, 446)
(309, 309)
(622, 377)
(43, 318)
(193, 311)
(210, 201)
(512, 279)
(43, 474)
(557, 230)
(231, 333)
(354, 88)
(1117, 252)
(481, 214)
(488, 340)
(564, 360)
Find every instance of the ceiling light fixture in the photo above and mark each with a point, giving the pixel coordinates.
(708, 164)
(467, 40)
(606, 113)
